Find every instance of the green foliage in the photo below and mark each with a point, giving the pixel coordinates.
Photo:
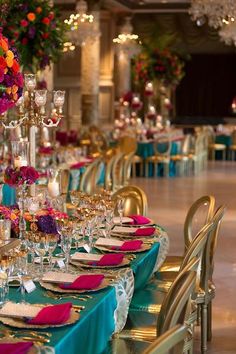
(35, 28)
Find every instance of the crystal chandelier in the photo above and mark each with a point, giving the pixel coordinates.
(216, 12)
(81, 27)
(127, 43)
(228, 34)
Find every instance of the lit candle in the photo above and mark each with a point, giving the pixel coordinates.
(53, 188)
(20, 161)
(149, 88)
(59, 101)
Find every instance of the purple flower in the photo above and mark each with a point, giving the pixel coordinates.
(9, 80)
(5, 104)
(44, 62)
(47, 224)
(31, 32)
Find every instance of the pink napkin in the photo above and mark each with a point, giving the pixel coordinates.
(52, 315)
(139, 220)
(145, 231)
(131, 245)
(84, 282)
(110, 259)
(77, 165)
(15, 348)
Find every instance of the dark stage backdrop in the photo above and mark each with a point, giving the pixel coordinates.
(208, 88)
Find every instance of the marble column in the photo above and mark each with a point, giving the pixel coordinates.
(124, 73)
(90, 70)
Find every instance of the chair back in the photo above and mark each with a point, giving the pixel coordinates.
(185, 148)
(135, 200)
(233, 136)
(65, 178)
(109, 161)
(175, 307)
(199, 214)
(172, 341)
(208, 255)
(127, 167)
(90, 176)
(117, 171)
(162, 146)
(127, 144)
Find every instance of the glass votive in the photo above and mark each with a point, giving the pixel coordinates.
(5, 229)
(30, 81)
(20, 151)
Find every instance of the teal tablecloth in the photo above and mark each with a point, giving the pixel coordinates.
(96, 324)
(146, 149)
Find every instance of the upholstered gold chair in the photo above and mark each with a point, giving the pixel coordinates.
(162, 148)
(198, 215)
(181, 160)
(213, 147)
(174, 310)
(135, 200)
(88, 182)
(128, 144)
(173, 340)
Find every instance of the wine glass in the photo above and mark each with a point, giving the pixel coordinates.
(65, 229)
(109, 221)
(52, 244)
(120, 208)
(21, 268)
(41, 248)
(66, 242)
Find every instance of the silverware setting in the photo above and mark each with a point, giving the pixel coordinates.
(64, 296)
(42, 337)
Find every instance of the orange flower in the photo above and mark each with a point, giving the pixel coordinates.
(13, 216)
(15, 97)
(10, 54)
(31, 16)
(14, 89)
(8, 90)
(38, 9)
(9, 62)
(4, 44)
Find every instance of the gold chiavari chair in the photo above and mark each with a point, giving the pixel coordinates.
(135, 200)
(65, 178)
(232, 147)
(117, 171)
(170, 342)
(162, 148)
(213, 146)
(182, 160)
(204, 206)
(128, 160)
(128, 144)
(174, 310)
(88, 182)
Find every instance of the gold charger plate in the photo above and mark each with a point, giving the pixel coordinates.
(20, 323)
(124, 263)
(155, 234)
(55, 287)
(144, 247)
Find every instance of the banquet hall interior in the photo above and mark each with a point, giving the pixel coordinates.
(117, 176)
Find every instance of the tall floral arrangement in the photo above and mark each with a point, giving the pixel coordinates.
(11, 79)
(36, 29)
(158, 64)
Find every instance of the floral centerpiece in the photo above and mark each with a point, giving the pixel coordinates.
(11, 79)
(36, 29)
(158, 64)
(25, 175)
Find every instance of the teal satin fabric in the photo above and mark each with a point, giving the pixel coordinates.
(8, 195)
(90, 334)
(143, 266)
(96, 324)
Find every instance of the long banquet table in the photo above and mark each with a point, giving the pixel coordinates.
(107, 311)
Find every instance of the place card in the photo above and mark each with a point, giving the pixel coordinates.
(59, 277)
(29, 286)
(11, 309)
(124, 230)
(108, 242)
(60, 263)
(90, 257)
(87, 248)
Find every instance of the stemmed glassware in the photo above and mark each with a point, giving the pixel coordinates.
(41, 248)
(52, 244)
(65, 229)
(109, 221)
(120, 208)
(21, 268)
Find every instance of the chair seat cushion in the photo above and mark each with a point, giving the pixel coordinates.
(217, 146)
(163, 159)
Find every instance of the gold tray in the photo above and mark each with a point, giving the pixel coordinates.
(144, 247)
(55, 287)
(19, 322)
(124, 263)
(155, 234)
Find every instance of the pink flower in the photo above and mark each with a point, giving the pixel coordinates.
(24, 23)
(29, 174)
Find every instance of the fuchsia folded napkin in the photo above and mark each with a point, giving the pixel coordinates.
(84, 282)
(139, 220)
(130, 245)
(52, 315)
(15, 348)
(145, 231)
(77, 165)
(110, 259)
